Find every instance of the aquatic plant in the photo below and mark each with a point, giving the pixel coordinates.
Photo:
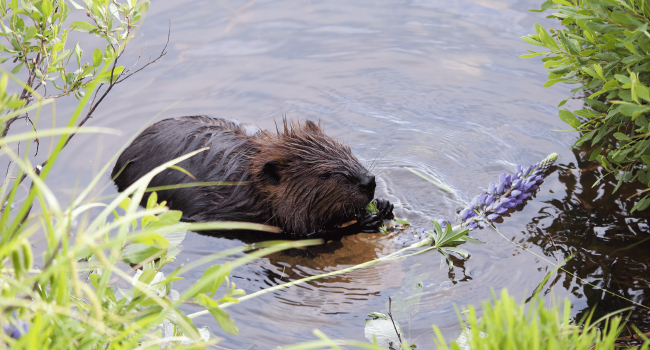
(603, 46)
(511, 191)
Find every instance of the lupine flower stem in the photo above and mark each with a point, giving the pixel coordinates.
(443, 238)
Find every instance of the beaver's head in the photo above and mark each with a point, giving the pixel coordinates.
(311, 181)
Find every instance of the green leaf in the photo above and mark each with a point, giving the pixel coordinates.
(645, 159)
(602, 132)
(561, 69)
(623, 79)
(125, 203)
(226, 323)
(595, 153)
(212, 279)
(534, 54)
(82, 26)
(632, 110)
(643, 177)
(106, 76)
(144, 6)
(459, 251)
(65, 54)
(166, 219)
(571, 44)
(372, 208)
(452, 237)
(31, 33)
(596, 104)
(620, 136)
(185, 324)
(641, 205)
(586, 137)
(153, 239)
(17, 68)
(545, 6)
(152, 201)
(546, 39)
(553, 82)
(97, 57)
(403, 222)
(78, 52)
(591, 72)
(599, 71)
(532, 41)
(603, 28)
(146, 278)
(569, 118)
(642, 91)
(137, 252)
(46, 7)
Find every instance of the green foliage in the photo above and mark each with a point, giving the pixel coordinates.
(372, 208)
(446, 240)
(37, 38)
(504, 324)
(604, 48)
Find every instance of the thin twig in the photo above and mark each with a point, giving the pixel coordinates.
(390, 314)
(162, 53)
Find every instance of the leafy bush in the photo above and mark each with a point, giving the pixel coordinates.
(604, 47)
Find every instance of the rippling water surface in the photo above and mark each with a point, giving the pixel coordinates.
(431, 85)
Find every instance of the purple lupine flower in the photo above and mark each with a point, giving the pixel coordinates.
(16, 327)
(511, 191)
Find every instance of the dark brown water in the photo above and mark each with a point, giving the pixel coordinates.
(433, 85)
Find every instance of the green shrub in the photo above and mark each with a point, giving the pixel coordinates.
(604, 48)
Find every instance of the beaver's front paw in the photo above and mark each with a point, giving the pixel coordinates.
(384, 208)
(370, 222)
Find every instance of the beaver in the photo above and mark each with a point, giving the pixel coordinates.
(299, 179)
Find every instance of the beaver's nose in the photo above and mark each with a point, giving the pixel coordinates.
(367, 186)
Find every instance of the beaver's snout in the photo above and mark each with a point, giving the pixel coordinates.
(367, 186)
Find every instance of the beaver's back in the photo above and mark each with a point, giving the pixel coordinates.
(226, 160)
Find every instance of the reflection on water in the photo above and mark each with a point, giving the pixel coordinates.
(428, 84)
(611, 247)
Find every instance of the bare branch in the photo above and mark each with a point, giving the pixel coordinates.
(162, 53)
(390, 314)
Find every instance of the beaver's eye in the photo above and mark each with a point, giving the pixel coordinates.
(324, 176)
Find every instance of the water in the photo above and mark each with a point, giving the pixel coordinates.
(434, 85)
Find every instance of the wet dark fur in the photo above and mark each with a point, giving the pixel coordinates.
(299, 179)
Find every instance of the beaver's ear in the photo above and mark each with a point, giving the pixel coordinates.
(313, 127)
(271, 172)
